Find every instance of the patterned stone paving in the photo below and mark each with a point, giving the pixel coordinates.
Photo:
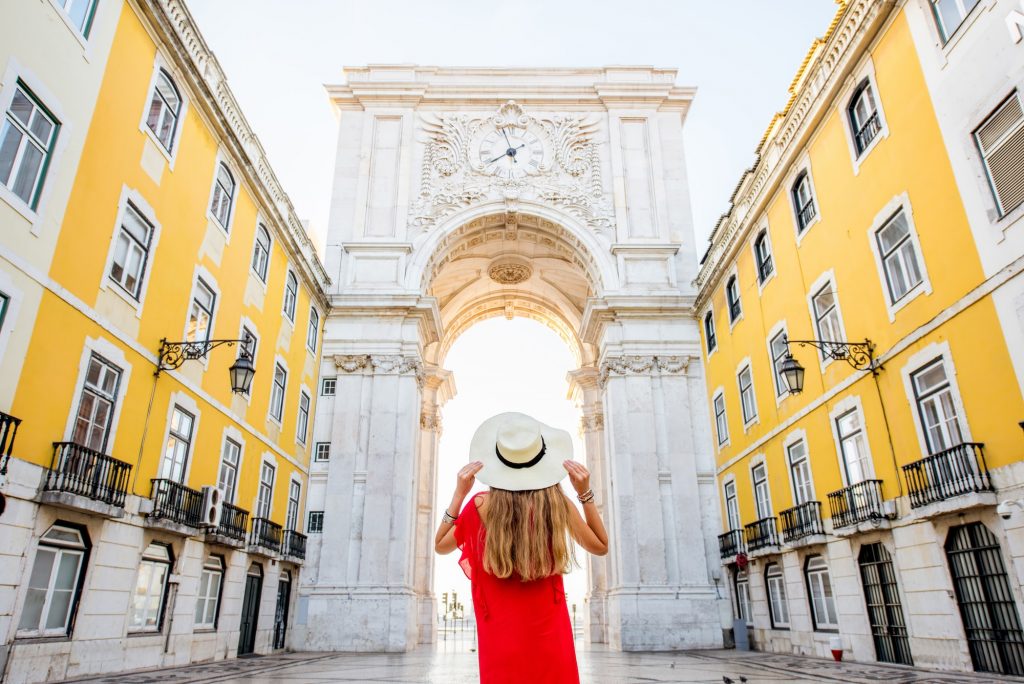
(455, 664)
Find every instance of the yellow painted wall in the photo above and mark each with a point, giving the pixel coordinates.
(111, 159)
(911, 160)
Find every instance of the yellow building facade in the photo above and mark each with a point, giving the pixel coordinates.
(851, 507)
(171, 505)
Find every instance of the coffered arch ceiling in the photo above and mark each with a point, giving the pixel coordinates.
(510, 266)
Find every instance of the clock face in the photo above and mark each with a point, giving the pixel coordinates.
(511, 152)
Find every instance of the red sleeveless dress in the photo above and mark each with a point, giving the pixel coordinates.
(523, 630)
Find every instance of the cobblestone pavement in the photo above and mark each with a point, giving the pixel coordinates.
(457, 665)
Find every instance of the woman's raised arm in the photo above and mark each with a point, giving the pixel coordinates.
(444, 540)
(589, 533)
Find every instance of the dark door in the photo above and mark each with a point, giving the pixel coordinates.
(250, 610)
(987, 608)
(284, 587)
(885, 612)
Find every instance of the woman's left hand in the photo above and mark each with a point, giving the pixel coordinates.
(578, 475)
(466, 478)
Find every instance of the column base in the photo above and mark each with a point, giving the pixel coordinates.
(427, 616)
(595, 628)
(360, 620)
(643, 619)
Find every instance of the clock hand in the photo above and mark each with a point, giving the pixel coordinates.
(503, 154)
(505, 133)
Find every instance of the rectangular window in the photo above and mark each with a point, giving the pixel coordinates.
(179, 444)
(265, 492)
(853, 444)
(291, 296)
(819, 585)
(800, 472)
(50, 598)
(777, 596)
(748, 402)
(315, 524)
(779, 350)
(227, 480)
(291, 520)
(96, 404)
(1001, 142)
(709, 331)
(80, 12)
(302, 421)
(742, 597)
(327, 386)
(936, 407)
(762, 497)
(209, 593)
(949, 14)
(27, 140)
(732, 509)
(899, 257)
(145, 614)
(323, 451)
(313, 332)
(721, 423)
(200, 315)
(277, 392)
(131, 251)
(826, 316)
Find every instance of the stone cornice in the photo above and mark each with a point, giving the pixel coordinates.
(193, 58)
(849, 37)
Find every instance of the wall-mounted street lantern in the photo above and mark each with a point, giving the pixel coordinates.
(173, 354)
(860, 355)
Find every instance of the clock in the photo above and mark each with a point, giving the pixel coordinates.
(511, 152)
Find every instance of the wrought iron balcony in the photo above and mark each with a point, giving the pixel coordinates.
(177, 503)
(953, 472)
(266, 534)
(233, 522)
(801, 521)
(8, 430)
(294, 544)
(857, 503)
(867, 132)
(761, 534)
(84, 472)
(807, 214)
(731, 543)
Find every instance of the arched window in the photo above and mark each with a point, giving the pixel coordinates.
(146, 612)
(55, 582)
(164, 110)
(291, 295)
(763, 256)
(803, 201)
(208, 599)
(709, 331)
(778, 608)
(742, 587)
(864, 120)
(261, 252)
(223, 196)
(732, 296)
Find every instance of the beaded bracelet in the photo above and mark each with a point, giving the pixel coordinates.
(448, 518)
(586, 497)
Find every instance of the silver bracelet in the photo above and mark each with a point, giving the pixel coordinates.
(448, 518)
(586, 497)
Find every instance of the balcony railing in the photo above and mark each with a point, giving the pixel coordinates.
(867, 132)
(175, 502)
(959, 470)
(761, 534)
(731, 543)
(807, 214)
(78, 470)
(294, 544)
(266, 534)
(856, 503)
(801, 521)
(8, 430)
(233, 522)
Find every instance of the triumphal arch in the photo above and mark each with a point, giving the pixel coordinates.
(556, 194)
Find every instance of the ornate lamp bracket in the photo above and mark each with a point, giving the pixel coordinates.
(173, 354)
(860, 355)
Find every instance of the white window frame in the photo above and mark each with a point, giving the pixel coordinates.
(213, 566)
(742, 588)
(709, 351)
(847, 405)
(899, 203)
(775, 588)
(720, 393)
(998, 212)
(794, 438)
(16, 79)
(163, 75)
(302, 427)
(802, 166)
(265, 461)
(323, 387)
(820, 625)
(265, 278)
(142, 207)
(222, 158)
(235, 435)
(80, 33)
(750, 421)
(290, 317)
(319, 528)
(201, 272)
(865, 73)
(278, 419)
(946, 38)
(758, 462)
(918, 361)
(313, 328)
(733, 277)
(116, 356)
(188, 404)
(826, 278)
(143, 563)
(160, 62)
(59, 548)
(763, 228)
(727, 484)
(778, 383)
(293, 510)
(317, 451)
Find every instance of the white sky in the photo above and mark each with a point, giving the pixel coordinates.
(740, 54)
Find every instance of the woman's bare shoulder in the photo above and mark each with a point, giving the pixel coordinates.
(480, 500)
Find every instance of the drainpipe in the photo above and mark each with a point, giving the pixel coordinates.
(888, 433)
(172, 584)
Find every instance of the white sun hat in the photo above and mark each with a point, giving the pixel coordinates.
(520, 453)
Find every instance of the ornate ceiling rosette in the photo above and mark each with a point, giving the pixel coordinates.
(509, 270)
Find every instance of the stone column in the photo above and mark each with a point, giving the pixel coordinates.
(585, 390)
(365, 598)
(438, 388)
(660, 592)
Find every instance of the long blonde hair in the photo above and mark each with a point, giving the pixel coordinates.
(528, 533)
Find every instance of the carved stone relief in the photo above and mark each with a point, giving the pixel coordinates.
(643, 365)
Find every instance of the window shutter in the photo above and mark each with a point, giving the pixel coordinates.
(1001, 140)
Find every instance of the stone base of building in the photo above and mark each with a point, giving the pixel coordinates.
(664, 620)
(594, 626)
(357, 619)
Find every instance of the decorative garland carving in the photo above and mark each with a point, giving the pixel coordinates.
(643, 365)
(384, 364)
(451, 178)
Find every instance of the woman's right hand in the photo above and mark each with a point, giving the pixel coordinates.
(466, 478)
(579, 476)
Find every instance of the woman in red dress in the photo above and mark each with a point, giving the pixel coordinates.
(516, 543)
